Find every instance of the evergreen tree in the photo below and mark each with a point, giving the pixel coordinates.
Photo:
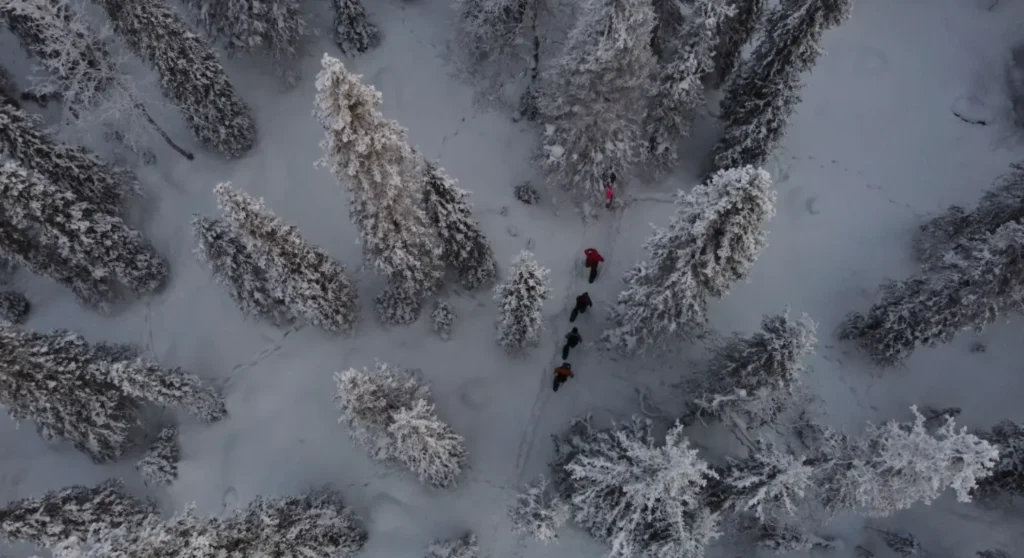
(594, 102)
(309, 281)
(190, 74)
(781, 538)
(23, 138)
(464, 247)
(644, 499)
(999, 205)
(537, 513)
(768, 482)
(969, 289)
(754, 378)
(8, 89)
(370, 154)
(235, 266)
(465, 546)
(520, 301)
(764, 93)
(711, 242)
(492, 35)
(1008, 473)
(735, 33)
(353, 32)
(442, 318)
(14, 307)
(85, 235)
(160, 464)
(170, 387)
(680, 90)
(901, 543)
(272, 26)
(428, 446)
(73, 512)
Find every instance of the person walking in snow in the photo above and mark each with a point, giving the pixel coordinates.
(609, 193)
(593, 258)
(582, 303)
(562, 375)
(572, 339)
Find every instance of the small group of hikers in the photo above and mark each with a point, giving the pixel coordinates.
(583, 302)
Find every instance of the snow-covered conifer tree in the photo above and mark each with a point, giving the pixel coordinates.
(14, 307)
(73, 512)
(680, 91)
(753, 378)
(595, 97)
(235, 267)
(23, 138)
(897, 465)
(642, 498)
(762, 96)
(8, 89)
(46, 378)
(84, 233)
(735, 33)
(969, 289)
(465, 546)
(768, 482)
(464, 247)
(520, 301)
(902, 543)
(160, 464)
(310, 282)
(272, 26)
(353, 32)
(370, 154)
(190, 74)
(170, 387)
(442, 319)
(428, 446)
(711, 242)
(1008, 473)
(783, 538)
(493, 33)
(999, 205)
(537, 513)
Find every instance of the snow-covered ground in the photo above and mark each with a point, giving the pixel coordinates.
(874, 149)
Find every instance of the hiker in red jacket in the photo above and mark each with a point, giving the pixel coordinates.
(562, 375)
(609, 194)
(593, 258)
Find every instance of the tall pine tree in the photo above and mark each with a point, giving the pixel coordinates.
(464, 247)
(190, 74)
(735, 33)
(711, 242)
(594, 103)
(764, 93)
(353, 32)
(370, 155)
(520, 299)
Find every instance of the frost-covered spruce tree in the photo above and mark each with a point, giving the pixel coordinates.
(1008, 473)
(22, 246)
(428, 446)
(971, 288)
(100, 241)
(499, 38)
(190, 74)
(272, 26)
(47, 378)
(160, 464)
(642, 498)
(235, 267)
(595, 97)
(768, 483)
(14, 307)
(520, 299)
(310, 282)
(170, 387)
(999, 205)
(353, 32)
(782, 538)
(735, 33)
(764, 93)
(711, 242)
(901, 542)
(73, 512)
(680, 91)
(537, 513)
(464, 247)
(442, 319)
(23, 138)
(754, 378)
(897, 465)
(465, 546)
(370, 155)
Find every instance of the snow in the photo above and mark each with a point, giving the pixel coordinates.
(871, 152)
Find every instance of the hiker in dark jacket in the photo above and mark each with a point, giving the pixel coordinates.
(562, 375)
(582, 303)
(572, 339)
(593, 258)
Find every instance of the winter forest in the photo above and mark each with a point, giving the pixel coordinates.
(511, 278)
